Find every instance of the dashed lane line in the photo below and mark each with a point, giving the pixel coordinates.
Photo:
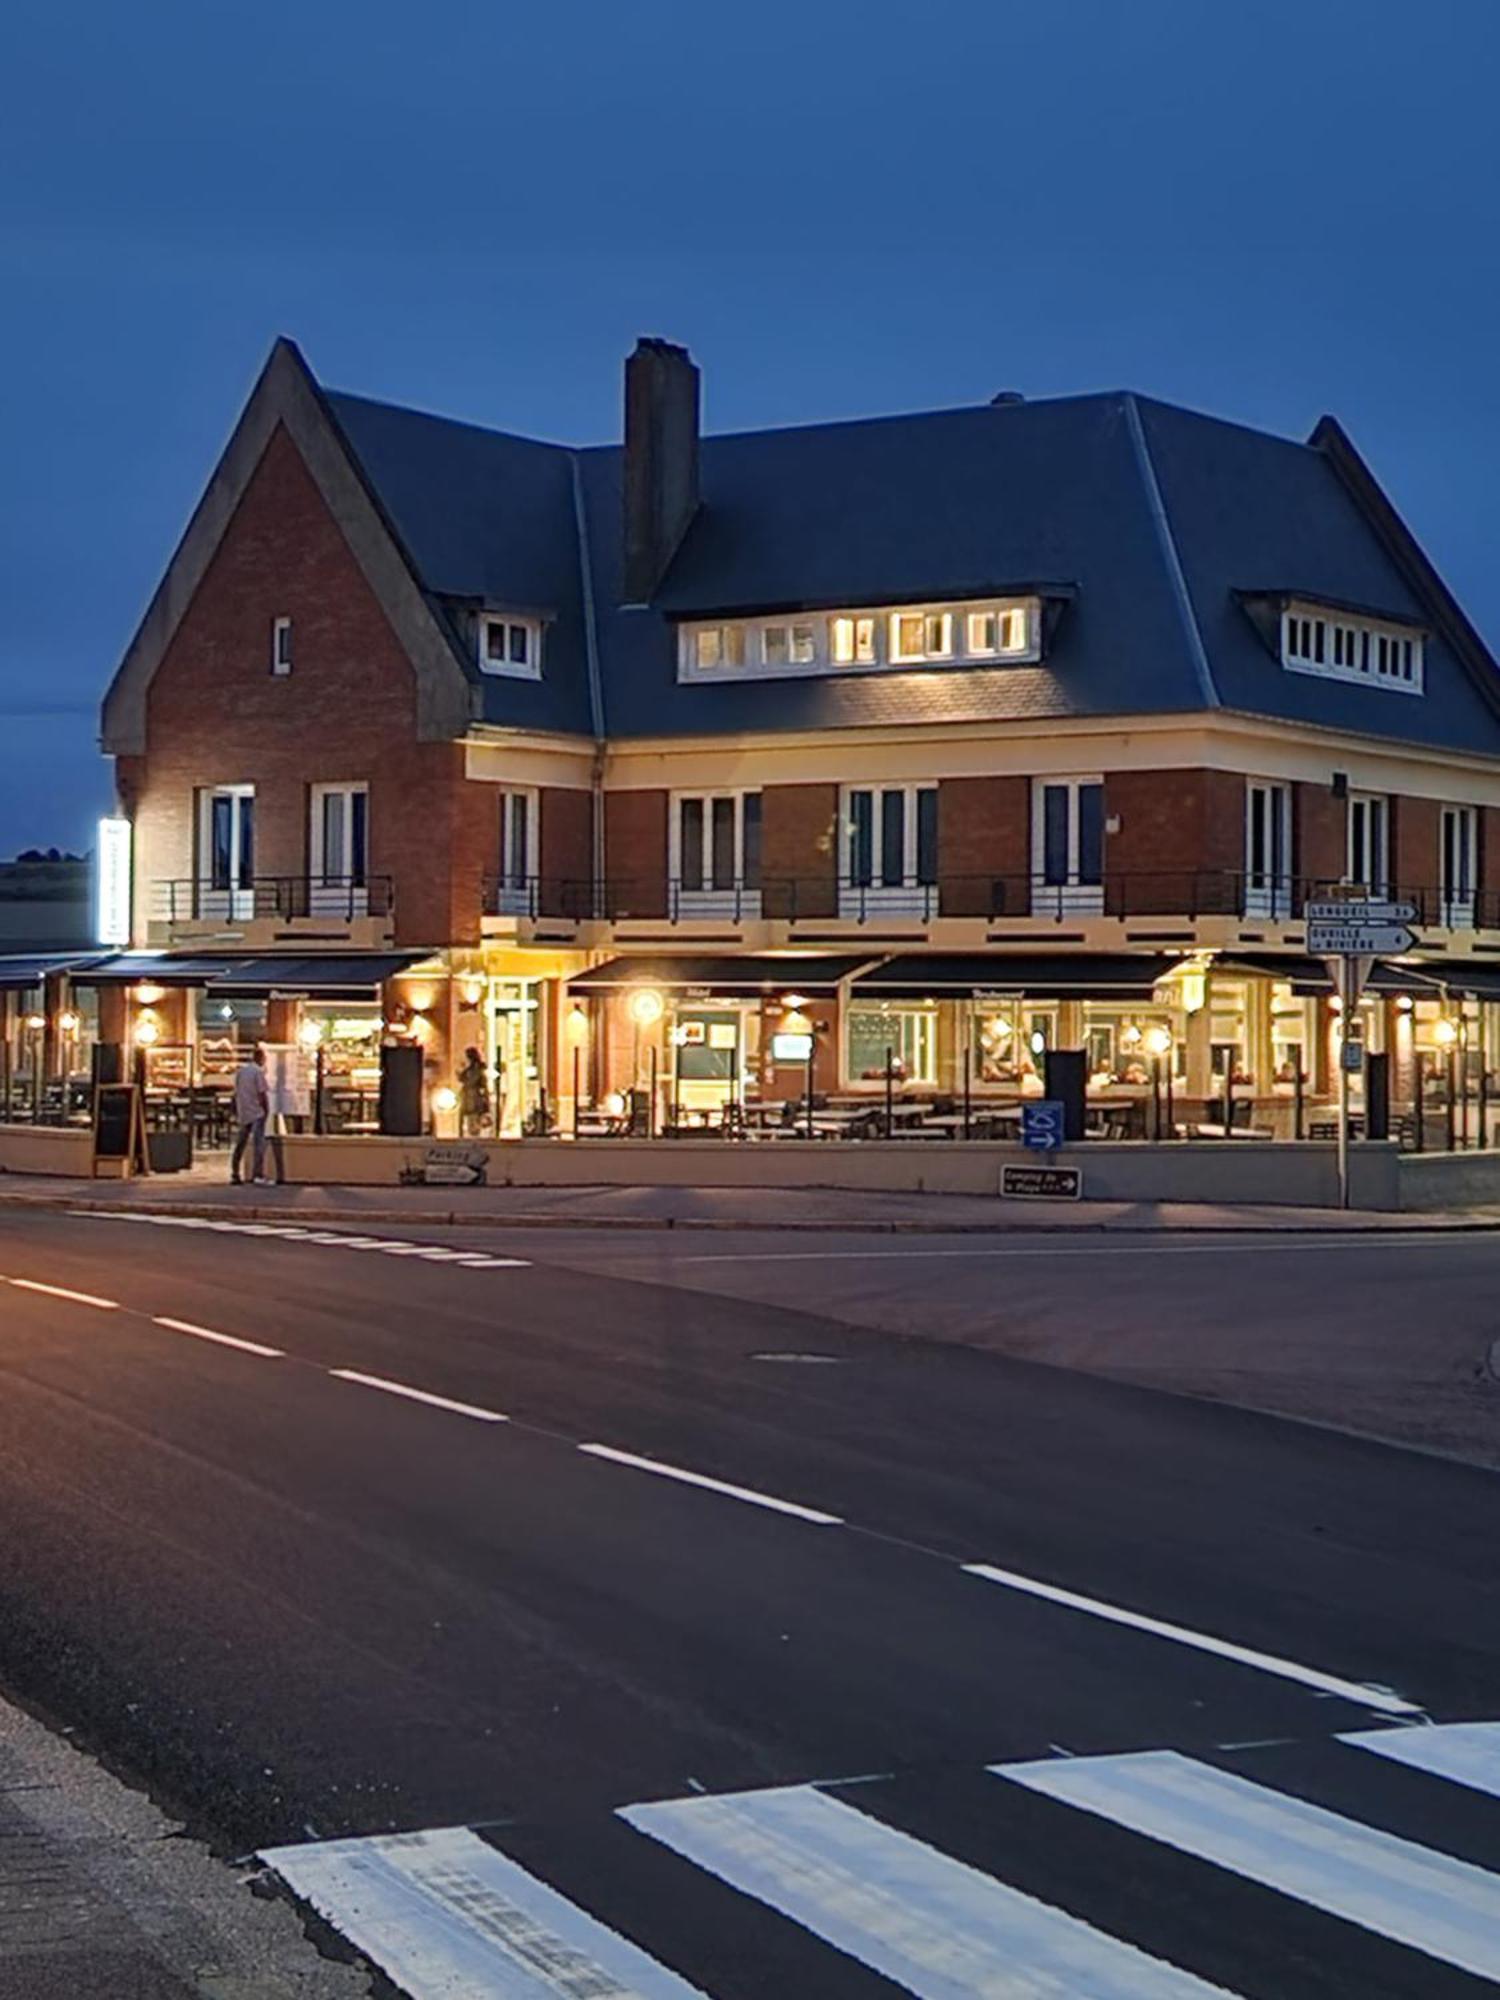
(419, 1395)
(62, 1292)
(219, 1339)
(686, 1478)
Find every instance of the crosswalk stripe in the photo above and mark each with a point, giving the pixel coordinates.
(933, 1925)
(1447, 1908)
(1465, 1753)
(447, 1917)
(432, 1253)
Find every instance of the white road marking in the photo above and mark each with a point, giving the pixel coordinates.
(713, 1485)
(447, 1917)
(221, 1339)
(930, 1924)
(1447, 1908)
(1257, 1244)
(62, 1292)
(1465, 1753)
(420, 1396)
(1380, 1699)
(390, 1246)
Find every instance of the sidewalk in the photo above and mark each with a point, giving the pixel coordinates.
(101, 1895)
(204, 1191)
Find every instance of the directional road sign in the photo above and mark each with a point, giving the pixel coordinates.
(1361, 910)
(1043, 1124)
(1357, 939)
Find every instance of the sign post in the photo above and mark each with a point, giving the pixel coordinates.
(1350, 934)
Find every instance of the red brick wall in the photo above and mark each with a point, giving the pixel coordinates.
(984, 846)
(1415, 845)
(1489, 860)
(1320, 834)
(635, 853)
(346, 712)
(1180, 849)
(799, 850)
(566, 838)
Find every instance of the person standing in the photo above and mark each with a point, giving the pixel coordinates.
(473, 1096)
(252, 1105)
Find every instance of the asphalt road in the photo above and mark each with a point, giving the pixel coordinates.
(899, 1665)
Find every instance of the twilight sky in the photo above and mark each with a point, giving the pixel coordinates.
(842, 206)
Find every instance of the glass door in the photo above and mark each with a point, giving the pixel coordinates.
(226, 850)
(1268, 851)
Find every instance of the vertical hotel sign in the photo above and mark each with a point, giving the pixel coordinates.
(112, 882)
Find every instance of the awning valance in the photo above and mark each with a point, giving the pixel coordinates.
(1045, 975)
(1307, 976)
(769, 973)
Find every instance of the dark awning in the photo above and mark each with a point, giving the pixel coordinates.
(151, 968)
(738, 976)
(332, 975)
(1082, 975)
(1307, 976)
(22, 970)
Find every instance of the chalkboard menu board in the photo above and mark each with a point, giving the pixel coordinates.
(119, 1130)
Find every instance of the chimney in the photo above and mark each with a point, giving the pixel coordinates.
(661, 461)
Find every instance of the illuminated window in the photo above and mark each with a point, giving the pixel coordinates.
(788, 645)
(921, 635)
(853, 642)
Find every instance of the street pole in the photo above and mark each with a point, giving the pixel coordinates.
(1346, 1011)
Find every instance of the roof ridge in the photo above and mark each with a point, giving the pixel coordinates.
(1171, 557)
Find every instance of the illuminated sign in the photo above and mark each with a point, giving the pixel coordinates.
(791, 1048)
(112, 882)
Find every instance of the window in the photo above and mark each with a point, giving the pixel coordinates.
(1068, 845)
(1268, 850)
(921, 635)
(1458, 858)
(510, 646)
(339, 851)
(715, 858)
(905, 1035)
(912, 635)
(1345, 648)
(853, 642)
(226, 852)
(281, 645)
(1369, 826)
(890, 849)
(518, 851)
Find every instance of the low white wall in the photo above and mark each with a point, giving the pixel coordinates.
(1202, 1170)
(46, 1149)
(1449, 1180)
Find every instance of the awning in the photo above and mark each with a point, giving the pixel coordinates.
(1049, 975)
(333, 975)
(730, 976)
(22, 970)
(323, 976)
(1307, 976)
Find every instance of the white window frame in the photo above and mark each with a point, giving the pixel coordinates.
(281, 647)
(913, 1026)
(742, 649)
(909, 897)
(1072, 897)
(529, 669)
(1268, 882)
(1341, 646)
(515, 887)
(736, 900)
(1458, 866)
(233, 901)
(331, 893)
(1376, 877)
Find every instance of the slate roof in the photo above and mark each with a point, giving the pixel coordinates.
(1151, 516)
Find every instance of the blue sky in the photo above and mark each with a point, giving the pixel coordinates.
(842, 208)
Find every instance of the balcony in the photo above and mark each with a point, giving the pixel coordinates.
(186, 905)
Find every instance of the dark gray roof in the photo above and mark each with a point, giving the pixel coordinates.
(1153, 519)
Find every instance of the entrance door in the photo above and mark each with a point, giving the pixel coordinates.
(515, 1015)
(709, 1045)
(226, 852)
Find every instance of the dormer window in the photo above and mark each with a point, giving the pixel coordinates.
(1343, 646)
(511, 646)
(972, 634)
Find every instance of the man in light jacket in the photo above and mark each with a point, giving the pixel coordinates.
(252, 1105)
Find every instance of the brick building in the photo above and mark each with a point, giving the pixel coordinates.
(963, 735)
